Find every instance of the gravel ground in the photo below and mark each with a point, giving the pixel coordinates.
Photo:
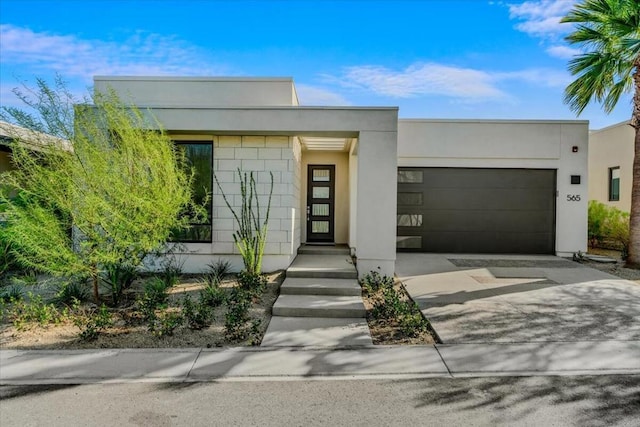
(617, 269)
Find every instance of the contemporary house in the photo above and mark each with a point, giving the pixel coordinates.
(611, 155)
(359, 176)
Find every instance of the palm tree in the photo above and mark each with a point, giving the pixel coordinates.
(608, 33)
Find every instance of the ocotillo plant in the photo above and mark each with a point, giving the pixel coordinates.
(251, 235)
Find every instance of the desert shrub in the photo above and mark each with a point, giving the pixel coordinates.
(608, 227)
(10, 292)
(252, 282)
(165, 323)
(237, 323)
(92, 324)
(32, 310)
(119, 277)
(171, 271)
(213, 296)
(196, 315)
(70, 292)
(216, 272)
(155, 296)
(373, 281)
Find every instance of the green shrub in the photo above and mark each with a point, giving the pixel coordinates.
(237, 318)
(213, 296)
(171, 271)
(252, 282)
(155, 296)
(196, 315)
(93, 324)
(119, 277)
(608, 227)
(165, 323)
(34, 310)
(374, 281)
(216, 272)
(70, 292)
(413, 324)
(390, 306)
(13, 292)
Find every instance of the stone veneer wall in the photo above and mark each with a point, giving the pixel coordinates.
(280, 155)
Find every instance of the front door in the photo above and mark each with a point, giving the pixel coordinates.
(320, 203)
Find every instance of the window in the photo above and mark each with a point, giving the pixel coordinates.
(408, 176)
(200, 158)
(614, 184)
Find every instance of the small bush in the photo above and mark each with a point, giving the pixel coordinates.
(171, 271)
(237, 316)
(119, 277)
(13, 292)
(165, 323)
(196, 315)
(608, 227)
(213, 296)
(34, 310)
(216, 272)
(155, 296)
(373, 281)
(70, 292)
(30, 278)
(93, 324)
(253, 283)
(413, 324)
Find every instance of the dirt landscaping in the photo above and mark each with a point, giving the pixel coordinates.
(129, 330)
(618, 269)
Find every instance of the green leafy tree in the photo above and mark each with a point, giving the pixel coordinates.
(608, 31)
(104, 192)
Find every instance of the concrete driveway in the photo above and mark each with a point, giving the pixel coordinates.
(511, 298)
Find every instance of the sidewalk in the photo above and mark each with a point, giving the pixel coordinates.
(263, 364)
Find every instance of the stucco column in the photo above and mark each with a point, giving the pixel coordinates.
(377, 160)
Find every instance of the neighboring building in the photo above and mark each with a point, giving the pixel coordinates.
(5, 147)
(611, 155)
(361, 177)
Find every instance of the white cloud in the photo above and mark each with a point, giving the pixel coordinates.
(541, 18)
(536, 76)
(313, 95)
(563, 52)
(142, 53)
(458, 83)
(422, 79)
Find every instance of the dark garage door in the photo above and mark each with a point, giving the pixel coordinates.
(464, 210)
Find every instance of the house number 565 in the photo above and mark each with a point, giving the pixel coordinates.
(573, 197)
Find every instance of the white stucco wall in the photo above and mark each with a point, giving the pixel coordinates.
(201, 91)
(611, 147)
(510, 144)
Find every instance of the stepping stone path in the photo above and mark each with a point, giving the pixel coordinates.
(320, 303)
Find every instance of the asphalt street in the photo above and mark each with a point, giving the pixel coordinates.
(491, 401)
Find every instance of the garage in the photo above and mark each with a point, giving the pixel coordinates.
(476, 210)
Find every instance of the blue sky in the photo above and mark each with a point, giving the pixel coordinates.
(433, 59)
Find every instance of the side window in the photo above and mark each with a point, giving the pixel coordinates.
(200, 158)
(614, 184)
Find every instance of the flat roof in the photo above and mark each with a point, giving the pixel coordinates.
(195, 78)
(539, 121)
(625, 122)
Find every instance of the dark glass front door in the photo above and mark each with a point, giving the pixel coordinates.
(320, 203)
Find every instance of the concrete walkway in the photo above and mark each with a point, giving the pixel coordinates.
(245, 364)
(320, 303)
